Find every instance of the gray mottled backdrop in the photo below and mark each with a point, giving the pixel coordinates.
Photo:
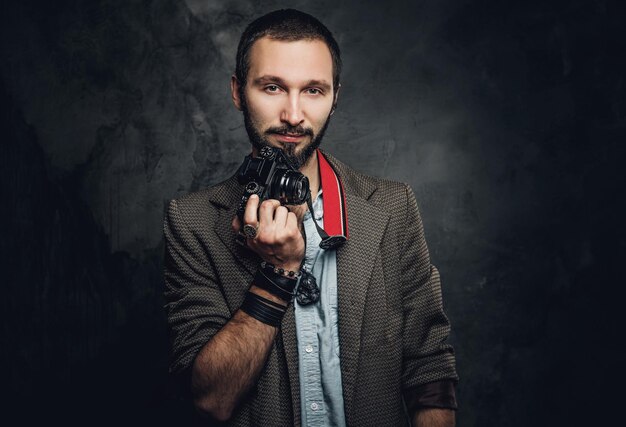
(507, 118)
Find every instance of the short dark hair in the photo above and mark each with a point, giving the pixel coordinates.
(285, 25)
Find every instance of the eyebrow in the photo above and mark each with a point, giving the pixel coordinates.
(275, 79)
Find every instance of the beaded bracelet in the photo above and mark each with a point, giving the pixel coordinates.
(288, 273)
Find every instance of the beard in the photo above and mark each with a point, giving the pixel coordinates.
(297, 159)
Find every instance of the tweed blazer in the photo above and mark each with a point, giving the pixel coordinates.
(392, 327)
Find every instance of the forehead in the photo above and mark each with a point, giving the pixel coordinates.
(291, 60)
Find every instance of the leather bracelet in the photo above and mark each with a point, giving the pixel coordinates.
(279, 286)
(259, 313)
(281, 280)
(254, 306)
(269, 302)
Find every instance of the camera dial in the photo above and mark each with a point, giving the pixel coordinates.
(252, 188)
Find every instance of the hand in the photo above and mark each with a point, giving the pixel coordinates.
(278, 239)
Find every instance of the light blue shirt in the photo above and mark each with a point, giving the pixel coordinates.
(321, 396)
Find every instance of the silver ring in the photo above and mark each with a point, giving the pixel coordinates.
(250, 230)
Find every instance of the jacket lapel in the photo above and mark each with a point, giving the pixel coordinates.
(355, 261)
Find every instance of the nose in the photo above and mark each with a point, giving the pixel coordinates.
(292, 112)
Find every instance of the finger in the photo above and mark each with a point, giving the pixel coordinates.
(280, 216)
(299, 210)
(250, 214)
(292, 223)
(266, 213)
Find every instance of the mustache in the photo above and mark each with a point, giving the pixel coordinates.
(293, 130)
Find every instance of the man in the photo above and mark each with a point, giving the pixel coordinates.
(363, 347)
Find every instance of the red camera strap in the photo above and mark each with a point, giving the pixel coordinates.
(335, 212)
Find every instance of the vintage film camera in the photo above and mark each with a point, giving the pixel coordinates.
(271, 176)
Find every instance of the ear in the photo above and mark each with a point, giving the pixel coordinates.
(332, 110)
(234, 90)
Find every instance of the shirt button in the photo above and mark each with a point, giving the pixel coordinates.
(309, 349)
(315, 406)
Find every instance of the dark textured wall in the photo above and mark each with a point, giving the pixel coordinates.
(507, 118)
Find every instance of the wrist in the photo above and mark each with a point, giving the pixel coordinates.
(277, 281)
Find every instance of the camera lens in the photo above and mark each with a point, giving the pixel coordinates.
(290, 187)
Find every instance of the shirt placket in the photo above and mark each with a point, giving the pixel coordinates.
(313, 399)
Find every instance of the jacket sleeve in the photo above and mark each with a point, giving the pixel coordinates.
(427, 356)
(195, 307)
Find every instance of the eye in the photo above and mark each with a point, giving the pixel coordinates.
(271, 88)
(314, 91)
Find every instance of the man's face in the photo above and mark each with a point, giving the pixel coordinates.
(288, 97)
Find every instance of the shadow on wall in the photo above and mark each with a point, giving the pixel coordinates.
(83, 328)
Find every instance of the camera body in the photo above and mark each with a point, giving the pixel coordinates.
(271, 176)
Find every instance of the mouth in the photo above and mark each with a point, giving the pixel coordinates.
(289, 137)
